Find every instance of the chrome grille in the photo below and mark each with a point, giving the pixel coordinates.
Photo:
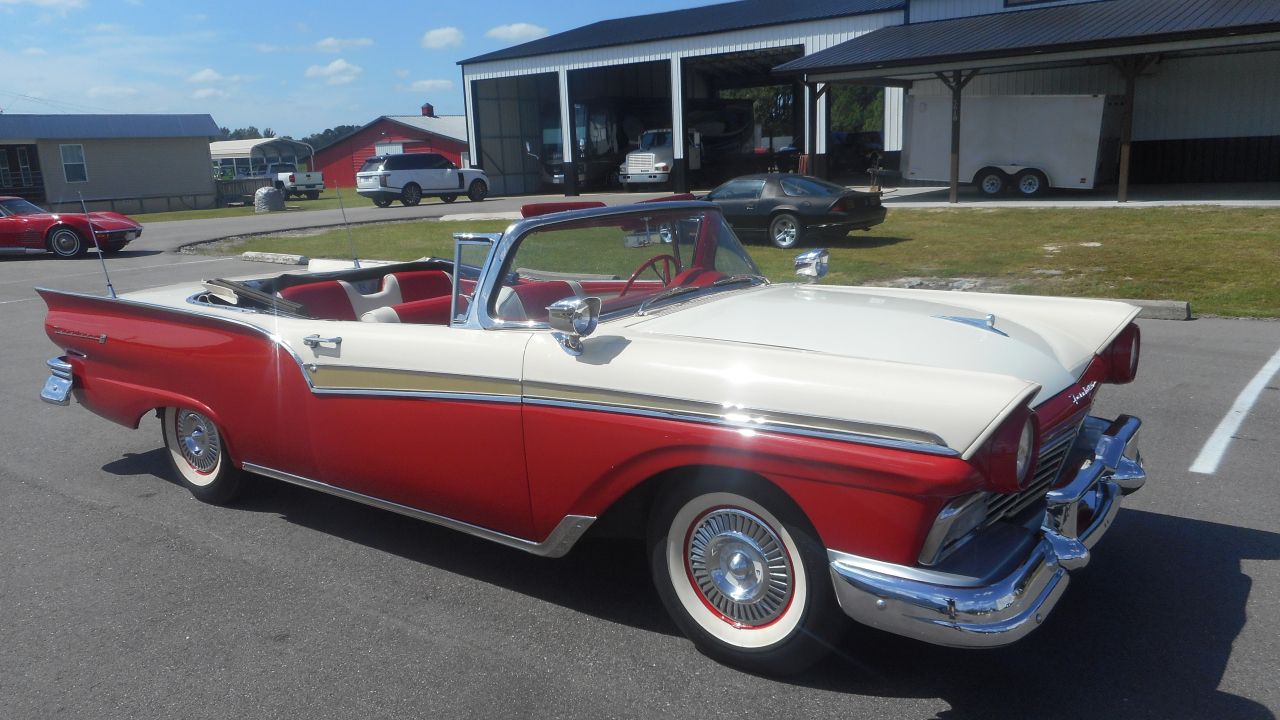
(640, 162)
(1053, 454)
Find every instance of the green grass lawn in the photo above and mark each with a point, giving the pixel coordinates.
(1225, 261)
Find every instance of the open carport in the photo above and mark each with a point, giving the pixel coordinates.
(1201, 98)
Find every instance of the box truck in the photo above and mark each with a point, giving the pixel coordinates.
(1019, 143)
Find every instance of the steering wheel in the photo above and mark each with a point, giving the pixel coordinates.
(668, 262)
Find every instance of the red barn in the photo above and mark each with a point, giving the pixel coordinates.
(392, 134)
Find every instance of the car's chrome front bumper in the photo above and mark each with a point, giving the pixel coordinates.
(966, 611)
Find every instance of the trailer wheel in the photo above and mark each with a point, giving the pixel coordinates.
(991, 181)
(1030, 183)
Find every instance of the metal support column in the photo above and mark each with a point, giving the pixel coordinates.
(680, 163)
(567, 137)
(814, 164)
(1130, 67)
(955, 83)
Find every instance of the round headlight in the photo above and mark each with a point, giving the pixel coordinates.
(1026, 448)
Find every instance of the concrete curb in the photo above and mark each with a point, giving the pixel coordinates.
(277, 258)
(1162, 309)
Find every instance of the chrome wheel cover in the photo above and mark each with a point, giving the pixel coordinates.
(740, 566)
(992, 184)
(198, 441)
(1029, 185)
(65, 242)
(784, 234)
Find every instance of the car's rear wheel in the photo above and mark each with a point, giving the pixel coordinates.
(785, 231)
(198, 454)
(477, 191)
(449, 197)
(66, 242)
(411, 195)
(382, 202)
(742, 573)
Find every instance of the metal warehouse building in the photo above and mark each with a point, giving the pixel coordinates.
(1200, 79)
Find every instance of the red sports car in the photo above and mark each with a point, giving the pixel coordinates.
(29, 228)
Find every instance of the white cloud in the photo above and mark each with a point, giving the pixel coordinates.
(402, 73)
(111, 91)
(431, 85)
(208, 93)
(206, 75)
(517, 32)
(198, 17)
(108, 28)
(35, 51)
(442, 38)
(335, 45)
(338, 72)
(265, 48)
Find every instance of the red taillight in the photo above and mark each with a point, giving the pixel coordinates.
(292, 178)
(1010, 456)
(1121, 356)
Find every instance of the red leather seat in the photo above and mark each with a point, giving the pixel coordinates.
(325, 300)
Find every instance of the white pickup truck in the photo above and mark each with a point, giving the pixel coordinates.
(290, 181)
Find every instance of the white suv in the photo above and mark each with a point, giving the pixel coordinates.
(407, 177)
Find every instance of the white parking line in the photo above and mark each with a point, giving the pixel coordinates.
(1216, 446)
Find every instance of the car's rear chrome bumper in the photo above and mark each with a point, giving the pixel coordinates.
(966, 611)
(57, 387)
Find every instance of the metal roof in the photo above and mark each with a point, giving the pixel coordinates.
(1091, 25)
(724, 17)
(101, 127)
(450, 126)
(244, 148)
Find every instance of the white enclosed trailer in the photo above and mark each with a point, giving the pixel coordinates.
(1020, 142)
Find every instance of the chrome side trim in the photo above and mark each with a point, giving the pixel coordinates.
(959, 611)
(558, 543)
(420, 395)
(739, 420)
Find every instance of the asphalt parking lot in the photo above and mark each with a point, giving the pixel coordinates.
(122, 596)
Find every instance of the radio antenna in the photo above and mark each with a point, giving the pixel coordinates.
(102, 258)
(350, 240)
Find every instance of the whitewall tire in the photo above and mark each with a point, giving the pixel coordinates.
(198, 454)
(742, 574)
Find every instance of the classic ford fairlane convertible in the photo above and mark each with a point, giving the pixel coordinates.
(923, 462)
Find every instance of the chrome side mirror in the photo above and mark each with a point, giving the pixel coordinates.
(812, 265)
(572, 319)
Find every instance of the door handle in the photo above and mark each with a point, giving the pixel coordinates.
(751, 206)
(316, 341)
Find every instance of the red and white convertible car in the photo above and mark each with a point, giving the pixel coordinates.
(922, 462)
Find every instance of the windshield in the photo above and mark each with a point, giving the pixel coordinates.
(655, 138)
(625, 260)
(18, 206)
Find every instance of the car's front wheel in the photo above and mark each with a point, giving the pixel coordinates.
(784, 231)
(742, 573)
(198, 454)
(66, 242)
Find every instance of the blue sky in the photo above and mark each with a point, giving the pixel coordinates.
(297, 68)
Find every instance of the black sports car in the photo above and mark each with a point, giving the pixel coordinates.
(787, 208)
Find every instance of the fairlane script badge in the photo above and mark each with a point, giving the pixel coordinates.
(1084, 392)
(100, 339)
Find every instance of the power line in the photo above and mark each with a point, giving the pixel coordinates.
(56, 104)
